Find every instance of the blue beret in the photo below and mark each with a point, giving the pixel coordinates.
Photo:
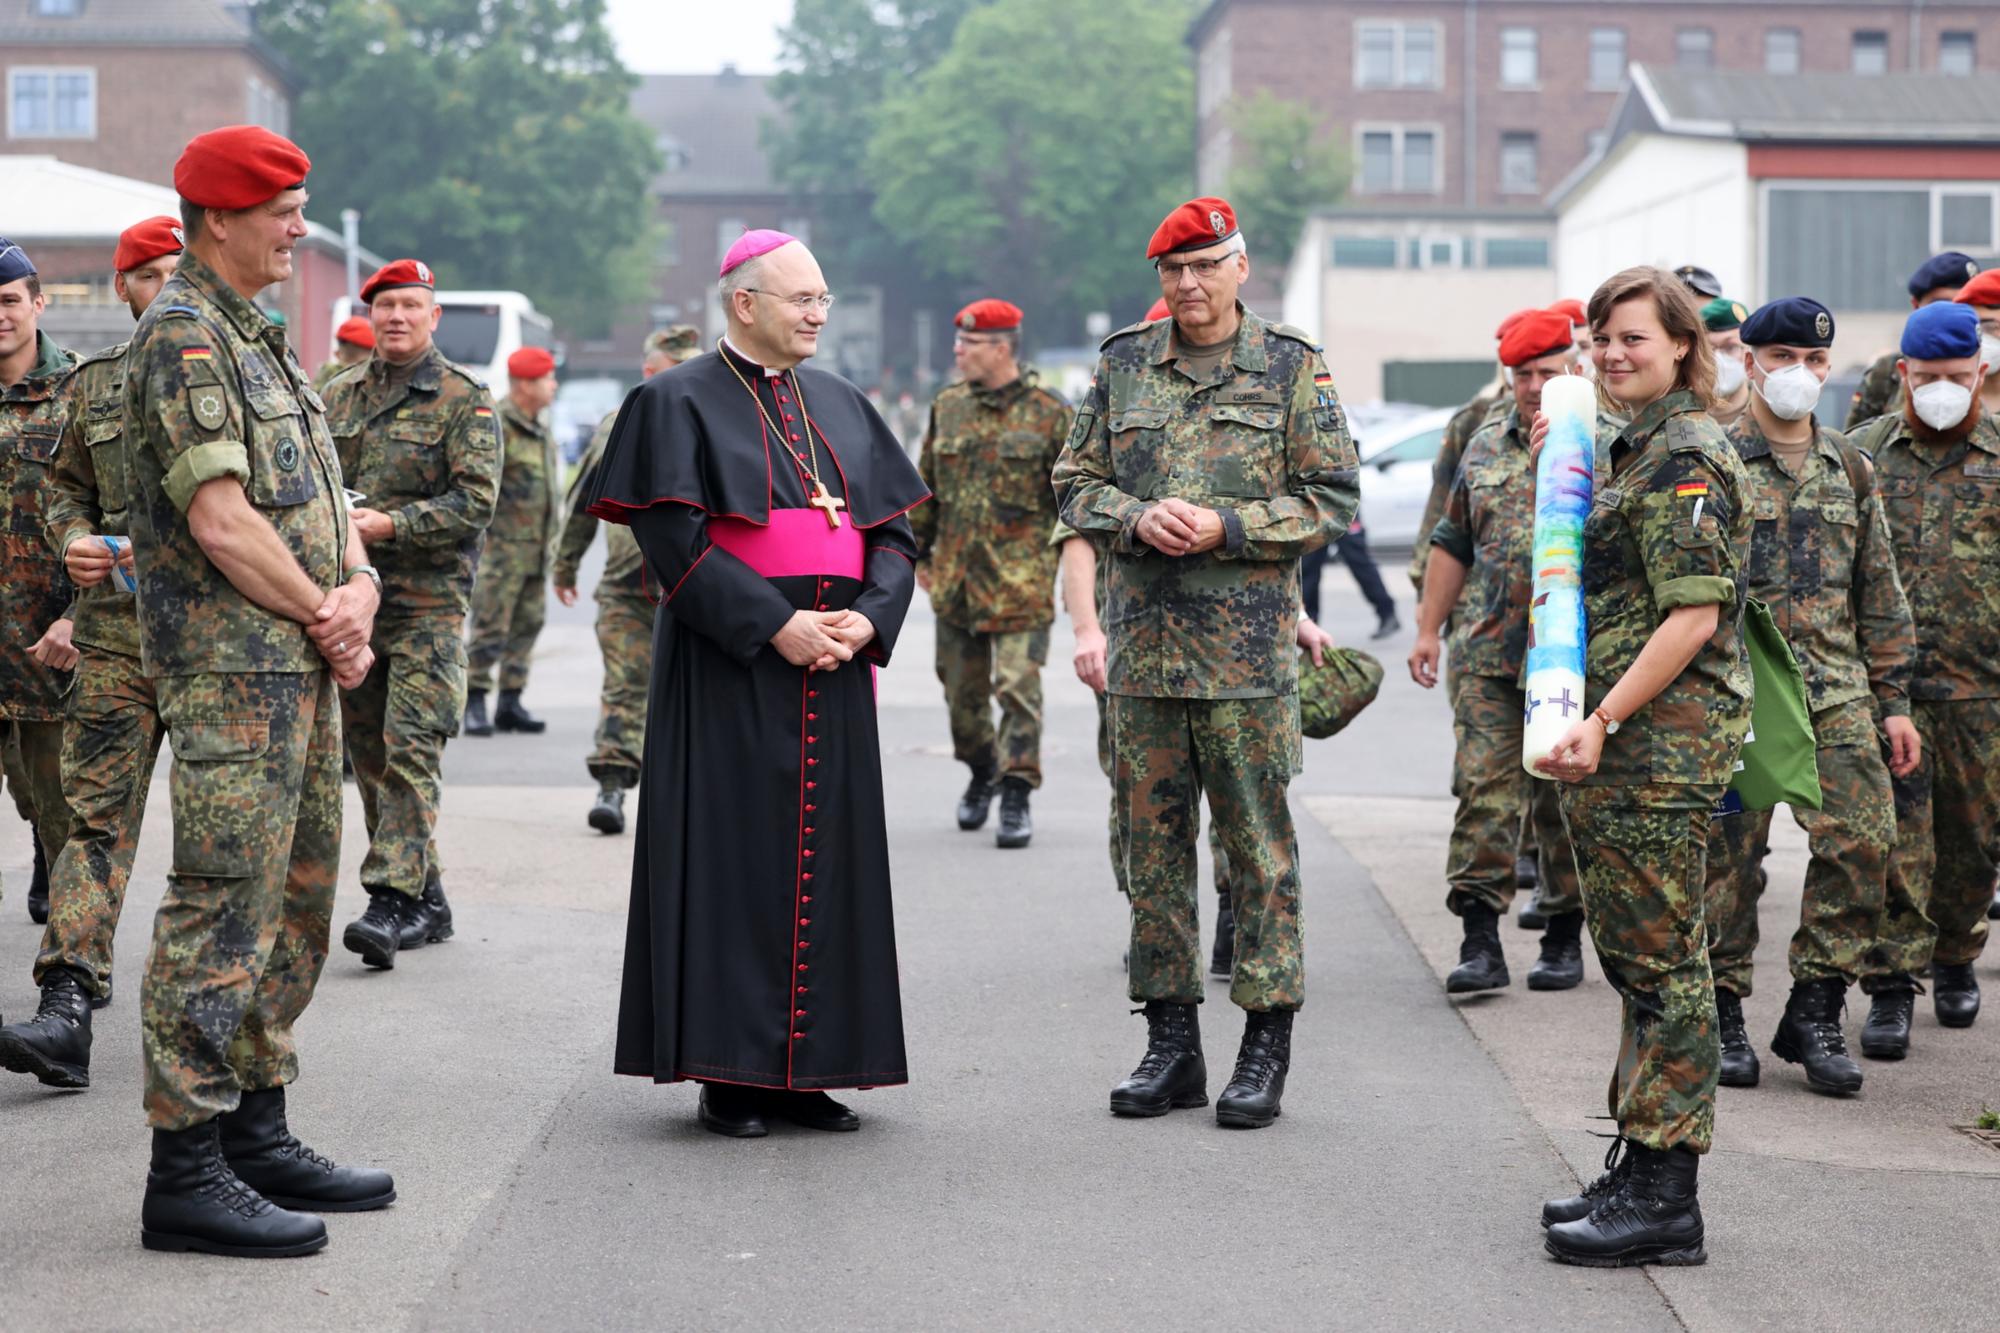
(14, 262)
(1950, 269)
(1943, 331)
(1789, 321)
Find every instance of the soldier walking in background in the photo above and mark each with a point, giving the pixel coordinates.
(1939, 278)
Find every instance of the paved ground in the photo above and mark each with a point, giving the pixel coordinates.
(1398, 1191)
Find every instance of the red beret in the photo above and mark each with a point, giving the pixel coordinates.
(238, 167)
(1158, 310)
(1195, 225)
(356, 332)
(1509, 322)
(143, 242)
(988, 316)
(1534, 333)
(530, 363)
(398, 273)
(1572, 307)
(1983, 290)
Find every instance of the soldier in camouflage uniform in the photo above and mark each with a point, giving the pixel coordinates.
(1210, 453)
(353, 344)
(416, 437)
(1938, 278)
(1458, 433)
(1486, 533)
(113, 731)
(1937, 469)
(1820, 558)
(983, 555)
(625, 608)
(510, 591)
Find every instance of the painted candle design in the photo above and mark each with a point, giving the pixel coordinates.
(1556, 632)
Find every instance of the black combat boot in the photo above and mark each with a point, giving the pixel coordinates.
(378, 932)
(731, 1111)
(814, 1110)
(1252, 1099)
(475, 714)
(607, 812)
(1222, 959)
(54, 1045)
(426, 920)
(1017, 826)
(1534, 913)
(265, 1156)
(977, 803)
(1481, 964)
(1886, 1034)
(1809, 1034)
(1954, 994)
(1172, 1075)
(1617, 1166)
(38, 887)
(195, 1202)
(1739, 1067)
(1654, 1219)
(510, 716)
(1561, 965)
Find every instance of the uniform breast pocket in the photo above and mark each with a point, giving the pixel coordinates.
(37, 441)
(1832, 531)
(1975, 520)
(281, 473)
(1901, 505)
(105, 439)
(416, 458)
(1139, 462)
(1603, 545)
(1246, 456)
(1024, 488)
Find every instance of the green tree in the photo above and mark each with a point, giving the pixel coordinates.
(490, 138)
(1035, 158)
(1284, 169)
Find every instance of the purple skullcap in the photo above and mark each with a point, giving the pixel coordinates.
(752, 244)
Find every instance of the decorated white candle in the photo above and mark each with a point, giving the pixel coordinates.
(1556, 630)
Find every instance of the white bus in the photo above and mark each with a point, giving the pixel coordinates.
(480, 330)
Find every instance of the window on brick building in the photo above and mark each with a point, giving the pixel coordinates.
(267, 107)
(1871, 52)
(1694, 48)
(1781, 51)
(1520, 58)
(1420, 165)
(55, 9)
(51, 103)
(1520, 162)
(1957, 53)
(1397, 159)
(1396, 55)
(1964, 221)
(1363, 252)
(1607, 58)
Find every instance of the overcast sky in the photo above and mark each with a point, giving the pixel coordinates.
(698, 36)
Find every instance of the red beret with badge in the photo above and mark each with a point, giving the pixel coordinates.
(1534, 334)
(355, 332)
(1195, 225)
(143, 242)
(531, 363)
(1983, 290)
(988, 316)
(398, 273)
(238, 167)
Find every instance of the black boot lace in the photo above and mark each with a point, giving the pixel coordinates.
(1820, 1019)
(1265, 1051)
(289, 1146)
(1604, 1190)
(1167, 1036)
(62, 999)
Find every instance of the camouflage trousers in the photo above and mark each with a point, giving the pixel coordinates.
(397, 721)
(1493, 790)
(110, 741)
(1243, 753)
(509, 602)
(978, 669)
(242, 933)
(1849, 835)
(33, 768)
(1218, 858)
(625, 641)
(1941, 870)
(1640, 854)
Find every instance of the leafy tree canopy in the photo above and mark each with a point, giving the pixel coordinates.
(1284, 169)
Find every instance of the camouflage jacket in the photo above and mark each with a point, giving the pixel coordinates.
(987, 456)
(1668, 527)
(35, 592)
(1488, 525)
(1458, 433)
(212, 390)
(426, 452)
(624, 566)
(325, 374)
(1820, 558)
(1943, 505)
(89, 495)
(530, 509)
(1264, 442)
(1880, 393)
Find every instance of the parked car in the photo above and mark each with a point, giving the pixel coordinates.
(1396, 460)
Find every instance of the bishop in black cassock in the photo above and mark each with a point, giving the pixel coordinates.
(770, 501)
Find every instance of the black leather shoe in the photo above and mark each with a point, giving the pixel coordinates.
(977, 803)
(1172, 1075)
(1481, 964)
(54, 1045)
(1654, 1219)
(195, 1202)
(1886, 1034)
(1222, 959)
(475, 714)
(815, 1110)
(1617, 1166)
(1252, 1099)
(1017, 826)
(1527, 872)
(1739, 1067)
(378, 933)
(1561, 965)
(1385, 626)
(38, 887)
(426, 920)
(733, 1112)
(261, 1149)
(1528, 878)
(508, 715)
(1809, 1034)
(1954, 994)
(607, 812)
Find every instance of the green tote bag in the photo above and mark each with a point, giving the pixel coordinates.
(1779, 761)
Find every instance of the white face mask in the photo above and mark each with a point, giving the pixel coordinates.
(1790, 393)
(1729, 376)
(1941, 405)
(1989, 350)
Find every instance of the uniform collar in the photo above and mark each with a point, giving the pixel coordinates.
(1654, 415)
(1248, 352)
(52, 362)
(251, 322)
(427, 374)
(1001, 395)
(513, 413)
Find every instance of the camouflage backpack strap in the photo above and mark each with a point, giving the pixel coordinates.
(1860, 472)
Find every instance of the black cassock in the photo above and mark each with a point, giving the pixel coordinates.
(761, 944)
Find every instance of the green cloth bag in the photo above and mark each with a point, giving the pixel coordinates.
(1331, 696)
(1780, 760)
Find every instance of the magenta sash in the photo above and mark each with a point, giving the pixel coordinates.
(795, 543)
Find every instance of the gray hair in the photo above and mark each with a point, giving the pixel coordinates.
(741, 278)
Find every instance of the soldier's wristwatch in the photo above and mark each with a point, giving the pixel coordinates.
(372, 572)
(1605, 720)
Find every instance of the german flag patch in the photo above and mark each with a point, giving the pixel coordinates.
(1322, 378)
(196, 354)
(482, 411)
(1689, 489)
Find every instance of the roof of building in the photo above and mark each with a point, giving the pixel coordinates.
(171, 21)
(709, 129)
(1750, 105)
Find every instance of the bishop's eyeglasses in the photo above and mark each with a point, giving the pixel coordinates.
(822, 303)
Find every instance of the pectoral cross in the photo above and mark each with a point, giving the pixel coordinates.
(827, 504)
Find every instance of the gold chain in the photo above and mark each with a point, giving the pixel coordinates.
(812, 456)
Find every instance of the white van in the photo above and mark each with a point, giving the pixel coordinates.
(480, 330)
